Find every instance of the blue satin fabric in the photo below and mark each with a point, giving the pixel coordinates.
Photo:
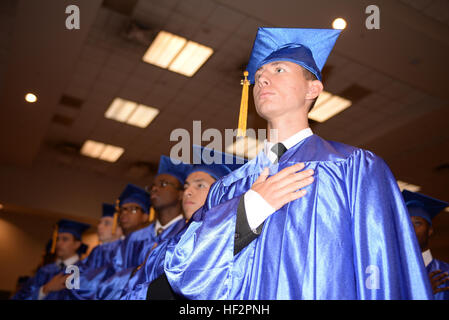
(128, 253)
(349, 237)
(444, 267)
(137, 286)
(112, 288)
(30, 290)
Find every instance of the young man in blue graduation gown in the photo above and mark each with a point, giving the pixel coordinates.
(109, 234)
(422, 210)
(110, 258)
(345, 236)
(166, 195)
(50, 279)
(107, 229)
(200, 178)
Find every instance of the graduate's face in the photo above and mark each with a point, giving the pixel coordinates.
(423, 231)
(104, 230)
(66, 245)
(165, 192)
(281, 89)
(131, 217)
(196, 188)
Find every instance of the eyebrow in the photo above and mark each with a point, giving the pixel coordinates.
(274, 63)
(196, 180)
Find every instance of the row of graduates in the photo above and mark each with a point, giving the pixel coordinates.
(129, 262)
(307, 218)
(133, 244)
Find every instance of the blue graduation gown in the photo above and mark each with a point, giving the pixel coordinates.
(349, 237)
(444, 267)
(137, 286)
(111, 289)
(126, 254)
(30, 290)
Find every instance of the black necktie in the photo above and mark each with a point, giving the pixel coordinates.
(278, 149)
(62, 266)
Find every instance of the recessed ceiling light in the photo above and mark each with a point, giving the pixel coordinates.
(1, 206)
(339, 24)
(99, 150)
(30, 97)
(177, 54)
(130, 112)
(327, 106)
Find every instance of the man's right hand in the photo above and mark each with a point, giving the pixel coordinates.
(437, 278)
(55, 284)
(283, 187)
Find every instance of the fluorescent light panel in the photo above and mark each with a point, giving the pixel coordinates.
(327, 106)
(130, 112)
(410, 187)
(177, 54)
(99, 150)
(247, 147)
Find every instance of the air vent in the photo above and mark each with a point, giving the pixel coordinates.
(443, 168)
(125, 7)
(355, 93)
(71, 102)
(62, 120)
(67, 147)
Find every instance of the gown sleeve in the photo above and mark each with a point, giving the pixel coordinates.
(387, 259)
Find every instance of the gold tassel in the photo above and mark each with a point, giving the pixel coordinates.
(243, 107)
(54, 239)
(152, 215)
(115, 221)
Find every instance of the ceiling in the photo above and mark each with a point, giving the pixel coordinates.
(396, 77)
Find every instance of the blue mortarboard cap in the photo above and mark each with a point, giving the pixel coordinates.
(74, 227)
(423, 206)
(215, 163)
(108, 210)
(308, 48)
(135, 194)
(178, 169)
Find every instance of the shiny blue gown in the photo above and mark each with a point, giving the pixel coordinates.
(349, 237)
(107, 279)
(444, 267)
(30, 290)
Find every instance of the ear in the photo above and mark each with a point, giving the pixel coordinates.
(314, 90)
(430, 232)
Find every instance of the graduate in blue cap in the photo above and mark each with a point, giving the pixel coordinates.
(108, 229)
(422, 210)
(50, 279)
(149, 280)
(165, 195)
(108, 259)
(271, 230)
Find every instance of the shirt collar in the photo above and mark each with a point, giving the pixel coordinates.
(158, 225)
(288, 143)
(67, 262)
(427, 257)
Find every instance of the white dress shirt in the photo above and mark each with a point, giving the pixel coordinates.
(157, 224)
(256, 208)
(67, 262)
(427, 257)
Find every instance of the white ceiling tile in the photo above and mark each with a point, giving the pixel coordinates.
(196, 9)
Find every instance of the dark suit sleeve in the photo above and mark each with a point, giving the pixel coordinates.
(243, 233)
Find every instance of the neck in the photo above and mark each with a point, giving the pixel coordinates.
(166, 214)
(284, 128)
